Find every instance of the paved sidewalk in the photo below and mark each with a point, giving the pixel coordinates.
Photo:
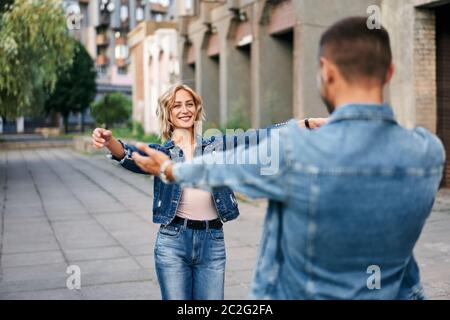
(61, 208)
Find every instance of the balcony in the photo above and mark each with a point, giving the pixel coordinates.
(157, 8)
(120, 63)
(104, 19)
(101, 60)
(121, 41)
(102, 40)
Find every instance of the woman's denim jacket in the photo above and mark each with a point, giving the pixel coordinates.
(167, 196)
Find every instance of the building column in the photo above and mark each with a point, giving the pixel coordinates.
(132, 13)
(115, 21)
(273, 70)
(237, 69)
(147, 15)
(210, 83)
(224, 79)
(187, 71)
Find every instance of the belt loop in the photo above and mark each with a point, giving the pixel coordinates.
(207, 225)
(185, 223)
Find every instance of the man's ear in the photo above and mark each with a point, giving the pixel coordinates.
(327, 70)
(390, 73)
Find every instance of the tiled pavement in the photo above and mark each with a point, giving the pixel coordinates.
(61, 208)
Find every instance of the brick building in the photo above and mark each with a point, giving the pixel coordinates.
(420, 89)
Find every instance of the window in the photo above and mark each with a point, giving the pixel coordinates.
(139, 14)
(122, 70)
(121, 51)
(123, 13)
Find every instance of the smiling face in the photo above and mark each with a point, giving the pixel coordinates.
(184, 111)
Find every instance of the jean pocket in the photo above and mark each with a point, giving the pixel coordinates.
(216, 234)
(170, 231)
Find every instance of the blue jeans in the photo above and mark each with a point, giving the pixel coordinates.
(190, 264)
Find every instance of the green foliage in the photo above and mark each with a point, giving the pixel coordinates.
(111, 109)
(75, 89)
(272, 103)
(238, 118)
(138, 129)
(135, 132)
(34, 46)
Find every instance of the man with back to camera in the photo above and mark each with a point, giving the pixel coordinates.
(349, 200)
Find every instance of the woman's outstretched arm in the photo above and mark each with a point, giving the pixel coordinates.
(121, 152)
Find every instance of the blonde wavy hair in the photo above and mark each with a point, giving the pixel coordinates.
(166, 103)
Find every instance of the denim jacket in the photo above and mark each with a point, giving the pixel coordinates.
(166, 197)
(346, 205)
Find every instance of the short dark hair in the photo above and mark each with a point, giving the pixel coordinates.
(358, 52)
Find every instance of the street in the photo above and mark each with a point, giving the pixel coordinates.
(60, 208)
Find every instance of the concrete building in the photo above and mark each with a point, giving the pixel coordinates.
(260, 56)
(154, 66)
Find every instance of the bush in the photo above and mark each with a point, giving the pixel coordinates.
(135, 131)
(238, 118)
(112, 108)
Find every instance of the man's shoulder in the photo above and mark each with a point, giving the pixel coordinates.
(434, 145)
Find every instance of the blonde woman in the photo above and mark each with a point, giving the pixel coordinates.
(189, 249)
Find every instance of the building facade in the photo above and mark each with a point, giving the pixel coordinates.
(260, 56)
(420, 89)
(154, 67)
(103, 29)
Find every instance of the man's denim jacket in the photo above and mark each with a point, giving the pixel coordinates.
(347, 204)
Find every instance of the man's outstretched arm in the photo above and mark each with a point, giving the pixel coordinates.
(261, 172)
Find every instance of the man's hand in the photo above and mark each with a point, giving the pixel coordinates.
(153, 162)
(101, 138)
(314, 123)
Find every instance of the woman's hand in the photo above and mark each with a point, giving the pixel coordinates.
(152, 163)
(101, 138)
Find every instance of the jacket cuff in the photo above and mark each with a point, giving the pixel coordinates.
(127, 151)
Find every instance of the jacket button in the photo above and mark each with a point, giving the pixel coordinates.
(224, 219)
(218, 200)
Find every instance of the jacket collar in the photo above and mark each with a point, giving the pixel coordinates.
(363, 112)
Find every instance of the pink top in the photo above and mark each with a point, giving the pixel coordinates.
(196, 204)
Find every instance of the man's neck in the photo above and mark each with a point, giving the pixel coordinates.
(359, 96)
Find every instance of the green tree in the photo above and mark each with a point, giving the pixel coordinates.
(34, 45)
(112, 108)
(75, 89)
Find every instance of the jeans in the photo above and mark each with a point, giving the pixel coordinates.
(190, 264)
